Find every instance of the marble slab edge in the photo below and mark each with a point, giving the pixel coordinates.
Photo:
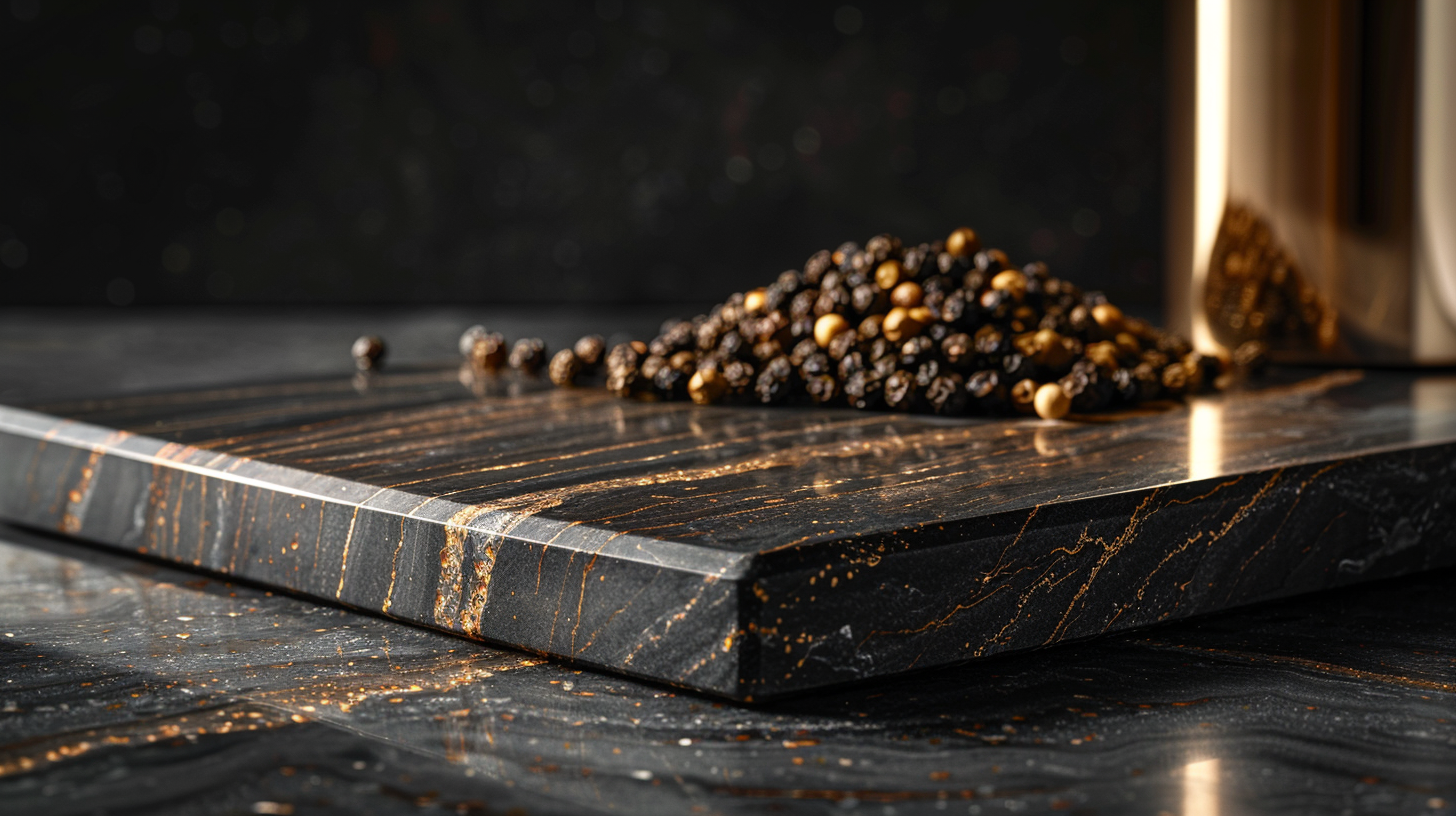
(745, 626)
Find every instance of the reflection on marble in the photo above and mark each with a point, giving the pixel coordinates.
(131, 686)
(751, 552)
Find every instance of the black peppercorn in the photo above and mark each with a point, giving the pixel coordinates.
(368, 352)
(958, 350)
(528, 355)
(946, 395)
(775, 382)
(589, 351)
(468, 338)
(900, 393)
(822, 389)
(865, 390)
(622, 357)
(565, 366)
(739, 375)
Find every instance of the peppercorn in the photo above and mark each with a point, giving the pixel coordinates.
(1023, 394)
(652, 364)
(1010, 281)
(889, 274)
(1107, 316)
(622, 382)
(987, 392)
(671, 383)
(565, 366)
(867, 298)
(707, 386)
(822, 389)
(1050, 401)
(468, 338)
(368, 352)
(803, 303)
(962, 243)
(589, 351)
(915, 351)
(991, 261)
(906, 294)
(683, 361)
(843, 343)
(815, 364)
(900, 393)
(622, 357)
(489, 352)
(739, 376)
(865, 390)
(753, 302)
(899, 325)
(775, 381)
(827, 327)
(816, 266)
(851, 363)
(958, 350)
(871, 327)
(946, 395)
(528, 355)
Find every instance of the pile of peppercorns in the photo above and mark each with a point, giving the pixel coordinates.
(945, 327)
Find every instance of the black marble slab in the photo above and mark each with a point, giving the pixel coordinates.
(751, 552)
(127, 686)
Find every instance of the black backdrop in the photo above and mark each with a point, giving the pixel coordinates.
(595, 152)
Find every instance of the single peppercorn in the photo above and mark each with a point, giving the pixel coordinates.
(589, 351)
(906, 294)
(946, 395)
(528, 355)
(368, 352)
(468, 338)
(564, 368)
(900, 393)
(962, 243)
(827, 327)
(707, 386)
(1051, 402)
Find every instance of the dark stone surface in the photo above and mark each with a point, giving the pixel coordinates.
(750, 552)
(133, 687)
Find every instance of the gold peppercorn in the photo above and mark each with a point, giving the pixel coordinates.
(900, 325)
(1010, 281)
(889, 274)
(907, 294)
(754, 301)
(963, 243)
(827, 326)
(1107, 316)
(707, 386)
(1051, 402)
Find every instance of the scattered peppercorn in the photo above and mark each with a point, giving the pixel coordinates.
(368, 352)
(565, 367)
(528, 355)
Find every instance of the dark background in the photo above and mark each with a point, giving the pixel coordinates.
(617, 151)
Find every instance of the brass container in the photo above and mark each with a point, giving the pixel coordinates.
(1312, 197)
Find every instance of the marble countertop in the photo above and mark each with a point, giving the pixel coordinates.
(134, 686)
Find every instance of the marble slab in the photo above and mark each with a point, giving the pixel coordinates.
(129, 686)
(746, 552)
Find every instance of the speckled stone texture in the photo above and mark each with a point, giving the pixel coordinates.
(750, 552)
